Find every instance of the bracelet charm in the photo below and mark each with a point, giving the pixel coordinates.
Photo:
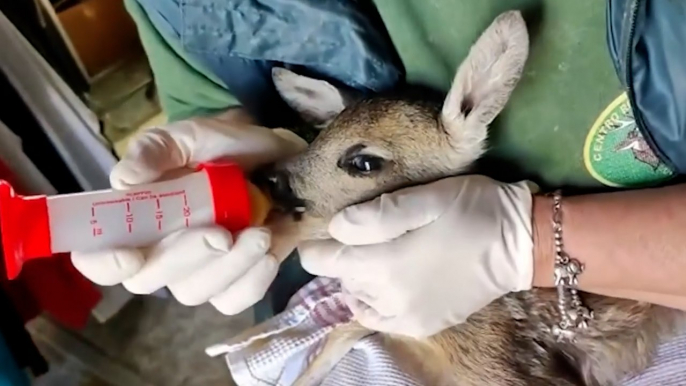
(573, 314)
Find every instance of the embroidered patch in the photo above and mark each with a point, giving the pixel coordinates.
(617, 154)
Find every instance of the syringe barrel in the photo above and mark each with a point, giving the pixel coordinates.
(36, 227)
(129, 218)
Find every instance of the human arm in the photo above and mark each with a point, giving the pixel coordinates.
(425, 258)
(630, 242)
(204, 264)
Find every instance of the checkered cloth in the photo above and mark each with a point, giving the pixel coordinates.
(668, 369)
(279, 350)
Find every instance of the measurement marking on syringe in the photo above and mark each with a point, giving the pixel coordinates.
(129, 221)
(137, 207)
(94, 222)
(186, 210)
(159, 215)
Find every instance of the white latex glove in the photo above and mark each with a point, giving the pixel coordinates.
(423, 259)
(205, 264)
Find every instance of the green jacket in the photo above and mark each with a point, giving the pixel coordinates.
(559, 129)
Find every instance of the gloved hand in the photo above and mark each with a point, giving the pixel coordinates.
(205, 264)
(423, 259)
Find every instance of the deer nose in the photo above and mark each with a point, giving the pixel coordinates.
(276, 183)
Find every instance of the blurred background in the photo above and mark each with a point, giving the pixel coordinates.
(77, 86)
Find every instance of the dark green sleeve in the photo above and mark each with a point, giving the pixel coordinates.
(567, 84)
(184, 87)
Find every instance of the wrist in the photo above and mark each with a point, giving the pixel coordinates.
(544, 259)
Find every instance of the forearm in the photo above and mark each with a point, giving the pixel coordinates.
(678, 302)
(632, 243)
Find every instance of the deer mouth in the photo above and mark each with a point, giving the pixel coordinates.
(276, 183)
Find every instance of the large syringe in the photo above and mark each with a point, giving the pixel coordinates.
(39, 226)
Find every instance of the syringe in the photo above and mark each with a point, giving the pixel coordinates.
(38, 226)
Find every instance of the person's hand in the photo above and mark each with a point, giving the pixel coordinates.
(205, 264)
(425, 258)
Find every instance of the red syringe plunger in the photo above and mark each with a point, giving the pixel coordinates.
(24, 227)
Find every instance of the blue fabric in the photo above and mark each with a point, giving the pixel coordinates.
(10, 373)
(647, 43)
(240, 41)
(248, 80)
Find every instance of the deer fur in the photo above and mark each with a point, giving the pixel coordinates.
(415, 141)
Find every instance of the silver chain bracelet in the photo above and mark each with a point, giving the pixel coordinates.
(573, 314)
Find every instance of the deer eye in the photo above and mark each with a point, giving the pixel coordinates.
(366, 164)
(358, 162)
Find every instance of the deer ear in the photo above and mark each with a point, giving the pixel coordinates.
(317, 101)
(484, 81)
